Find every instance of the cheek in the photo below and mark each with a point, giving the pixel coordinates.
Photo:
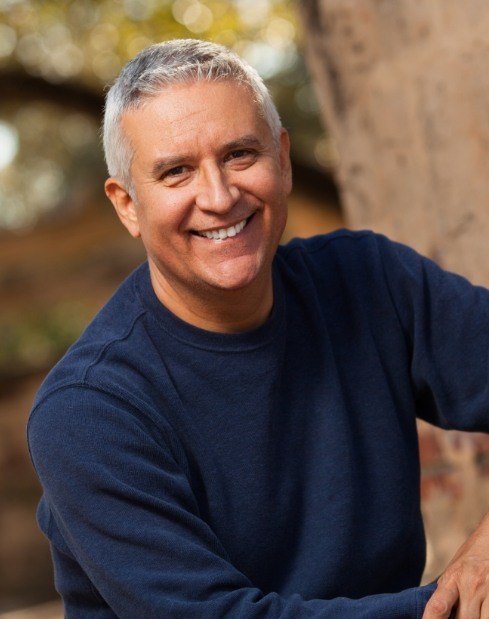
(268, 188)
(161, 215)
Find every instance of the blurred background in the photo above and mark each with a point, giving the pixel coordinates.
(63, 252)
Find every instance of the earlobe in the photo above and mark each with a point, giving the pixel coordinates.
(124, 205)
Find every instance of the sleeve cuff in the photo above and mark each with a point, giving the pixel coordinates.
(423, 594)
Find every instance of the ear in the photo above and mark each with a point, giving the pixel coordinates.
(285, 163)
(124, 205)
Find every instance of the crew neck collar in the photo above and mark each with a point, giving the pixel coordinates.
(201, 338)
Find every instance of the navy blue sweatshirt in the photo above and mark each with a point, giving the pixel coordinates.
(266, 474)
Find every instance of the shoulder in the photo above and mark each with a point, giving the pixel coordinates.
(363, 269)
(343, 257)
(109, 348)
(361, 252)
(342, 247)
(325, 243)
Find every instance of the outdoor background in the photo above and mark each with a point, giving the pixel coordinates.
(63, 252)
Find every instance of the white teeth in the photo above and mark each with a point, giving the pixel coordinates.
(223, 233)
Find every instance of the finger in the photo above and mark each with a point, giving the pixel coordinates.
(441, 603)
(473, 589)
(485, 609)
(468, 610)
(469, 606)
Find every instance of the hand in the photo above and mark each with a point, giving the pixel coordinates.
(463, 588)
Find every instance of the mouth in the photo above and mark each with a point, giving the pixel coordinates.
(220, 234)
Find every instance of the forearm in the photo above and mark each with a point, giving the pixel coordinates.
(139, 598)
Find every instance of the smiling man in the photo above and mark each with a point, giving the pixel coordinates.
(234, 434)
(209, 201)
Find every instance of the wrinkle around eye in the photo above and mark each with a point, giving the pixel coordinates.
(244, 159)
(175, 176)
(177, 171)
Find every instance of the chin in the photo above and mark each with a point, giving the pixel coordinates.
(234, 284)
(234, 281)
(237, 274)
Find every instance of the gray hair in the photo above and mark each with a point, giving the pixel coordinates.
(164, 64)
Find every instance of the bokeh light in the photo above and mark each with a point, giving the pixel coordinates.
(9, 144)
(48, 145)
(8, 40)
(194, 15)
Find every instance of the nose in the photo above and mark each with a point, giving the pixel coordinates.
(216, 193)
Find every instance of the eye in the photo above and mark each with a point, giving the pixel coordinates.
(240, 153)
(177, 171)
(175, 176)
(241, 158)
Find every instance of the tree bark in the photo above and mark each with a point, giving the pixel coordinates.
(403, 87)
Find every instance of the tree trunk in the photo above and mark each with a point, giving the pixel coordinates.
(404, 91)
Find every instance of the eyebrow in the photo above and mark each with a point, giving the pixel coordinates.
(244, 141)
(165, 163)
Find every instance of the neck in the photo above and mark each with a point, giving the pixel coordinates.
(221, 311)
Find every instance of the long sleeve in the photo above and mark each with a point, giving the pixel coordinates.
(119, 506)
(446, 321)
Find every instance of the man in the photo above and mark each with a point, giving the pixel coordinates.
(234, 434)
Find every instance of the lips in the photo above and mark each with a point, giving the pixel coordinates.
(223, 233)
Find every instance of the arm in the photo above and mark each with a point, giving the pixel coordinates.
(126, 512)
(446, 321)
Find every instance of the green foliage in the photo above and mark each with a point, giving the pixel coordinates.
(88, 41)
(34, 339)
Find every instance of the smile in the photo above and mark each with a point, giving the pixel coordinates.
(224, 233)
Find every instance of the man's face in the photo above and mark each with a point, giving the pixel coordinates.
(211, 187)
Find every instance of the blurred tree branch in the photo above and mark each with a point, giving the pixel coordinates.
(22, 85)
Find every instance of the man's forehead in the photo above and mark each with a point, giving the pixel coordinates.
(195, 107)
(215, 91)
